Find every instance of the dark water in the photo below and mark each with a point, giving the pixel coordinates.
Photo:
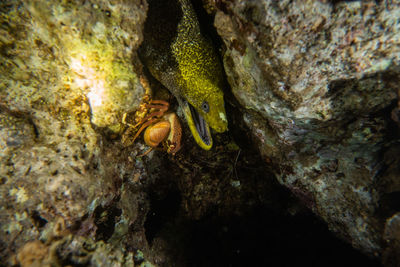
(261, 237)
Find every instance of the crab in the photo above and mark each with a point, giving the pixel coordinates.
(161, 128)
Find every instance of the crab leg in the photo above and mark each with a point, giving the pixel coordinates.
(160, 105)
(146, 152)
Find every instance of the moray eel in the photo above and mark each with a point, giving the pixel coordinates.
(183, 59)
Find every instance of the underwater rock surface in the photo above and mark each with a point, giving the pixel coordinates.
(66, 76)
(317, 82)
(314, 104)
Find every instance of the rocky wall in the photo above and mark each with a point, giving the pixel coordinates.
(317, 82)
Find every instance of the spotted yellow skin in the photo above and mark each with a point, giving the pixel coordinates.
(184, 60)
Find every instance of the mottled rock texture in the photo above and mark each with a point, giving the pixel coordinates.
(317, 82)
(66, 76)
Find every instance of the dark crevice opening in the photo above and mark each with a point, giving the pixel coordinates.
(259, 237)
(38, 221)
(105, 219)
(162, 210)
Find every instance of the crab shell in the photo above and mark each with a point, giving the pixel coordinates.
(168, 132)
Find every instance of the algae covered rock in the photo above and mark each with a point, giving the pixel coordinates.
(317, 82)
(63, 247)
(60, 53)
(67, 75)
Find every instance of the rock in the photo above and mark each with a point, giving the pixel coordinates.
(317, 81)
(66, 78)
(391, 236)
(75, 250)
(72, 54)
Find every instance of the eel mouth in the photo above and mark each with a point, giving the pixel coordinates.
(201, 125)
(198, 126)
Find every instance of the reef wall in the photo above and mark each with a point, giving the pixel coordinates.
(317, 82)
(66, 78)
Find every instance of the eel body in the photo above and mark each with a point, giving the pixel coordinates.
(183, 59)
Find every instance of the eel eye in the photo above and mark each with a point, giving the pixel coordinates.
(205, 107)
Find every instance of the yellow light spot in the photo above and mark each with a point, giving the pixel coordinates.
(89, 80)
(96, 94)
